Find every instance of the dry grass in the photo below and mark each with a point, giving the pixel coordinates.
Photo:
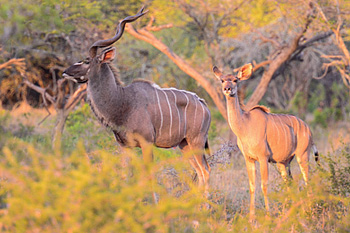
(228, 182)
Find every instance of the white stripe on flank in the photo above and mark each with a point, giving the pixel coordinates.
(178, 112)
(171, 114)
(292, 126)
(283, 125)
(298, 125)
(291, 122)
(276, 128)
(202, 116)
(186, 112)
(161, 115)
(304, 131)
(195, 111)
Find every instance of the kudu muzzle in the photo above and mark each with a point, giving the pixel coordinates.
(229, 89)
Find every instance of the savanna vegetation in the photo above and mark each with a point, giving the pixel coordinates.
(61, 171)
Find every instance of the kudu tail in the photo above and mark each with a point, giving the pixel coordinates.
(316, 154)
(207, 151)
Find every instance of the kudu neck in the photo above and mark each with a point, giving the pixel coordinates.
(235, 114)
(106, 93)
(102, 76)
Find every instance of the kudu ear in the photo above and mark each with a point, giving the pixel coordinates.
(217, 72)
(107, 55)
(245, 72)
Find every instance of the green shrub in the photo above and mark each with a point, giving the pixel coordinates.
(82, 125)
(4, 134)
(86, 189)
(91, 193)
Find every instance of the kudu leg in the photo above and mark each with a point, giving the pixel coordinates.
(303, 161)
(204, 169)
(251, 175)
(199, 164)
(194, 164)
(282, 169)
(147, 154)
(264, 171)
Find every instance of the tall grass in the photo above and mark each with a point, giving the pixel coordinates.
(97, 192)
(89, 189)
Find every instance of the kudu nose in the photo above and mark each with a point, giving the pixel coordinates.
(226, 89)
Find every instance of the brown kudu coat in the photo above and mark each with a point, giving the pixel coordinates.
(142, 114)
(265, 137)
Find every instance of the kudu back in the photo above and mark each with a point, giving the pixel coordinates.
(265, 137)
(143, 114)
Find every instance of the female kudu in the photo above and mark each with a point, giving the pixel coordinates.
(265, 137)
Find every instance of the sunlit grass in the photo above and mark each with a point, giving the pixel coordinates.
(92, 186)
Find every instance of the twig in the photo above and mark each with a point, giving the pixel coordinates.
(40, 90)
(19, 62)
(149, 26)
(49, 114)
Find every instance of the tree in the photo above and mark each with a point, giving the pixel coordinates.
(337, 20)
(63, 105)
(274, 64)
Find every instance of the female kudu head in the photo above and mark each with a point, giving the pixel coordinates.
(79, 72)
(230, 81)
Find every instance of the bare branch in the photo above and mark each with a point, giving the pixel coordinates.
(149, 26)
(343, 62)
(19, 62)
(323, 75)
(275, 65)
(261, 64)
(145, 35)
(48, 114)
(268, 40)
(75, 98)
(40, 90)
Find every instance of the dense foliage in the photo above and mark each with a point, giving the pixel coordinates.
(86, 189)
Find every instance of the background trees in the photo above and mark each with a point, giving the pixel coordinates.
(289, 42)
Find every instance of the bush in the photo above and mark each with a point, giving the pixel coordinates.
(86, 189)
(90, 193)
(82, 125)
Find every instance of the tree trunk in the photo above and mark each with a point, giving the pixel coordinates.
(58, 130)
(145, 35)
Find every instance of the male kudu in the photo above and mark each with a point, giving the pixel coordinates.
(143, 114)
(265, 137)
